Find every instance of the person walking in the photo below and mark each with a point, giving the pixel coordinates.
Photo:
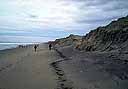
(35, 47)
(50, 46)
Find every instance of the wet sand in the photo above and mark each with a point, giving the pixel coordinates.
(22, 68)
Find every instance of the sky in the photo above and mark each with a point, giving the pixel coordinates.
(44, 20)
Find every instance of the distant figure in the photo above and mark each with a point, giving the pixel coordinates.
(50, 46)
(35, 47)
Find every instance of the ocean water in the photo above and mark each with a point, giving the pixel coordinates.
(11, 45)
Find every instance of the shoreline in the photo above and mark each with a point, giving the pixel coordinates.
(9, 46)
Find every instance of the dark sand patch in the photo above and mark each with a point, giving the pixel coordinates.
(63, 82)
(95, 70)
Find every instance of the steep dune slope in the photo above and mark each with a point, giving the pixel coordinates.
(114, 36)
(111, 37)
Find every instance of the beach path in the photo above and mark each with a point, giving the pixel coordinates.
(22, 68)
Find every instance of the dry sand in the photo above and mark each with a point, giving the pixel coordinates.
(95, 70)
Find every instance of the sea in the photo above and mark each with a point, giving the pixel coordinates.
(4, 46)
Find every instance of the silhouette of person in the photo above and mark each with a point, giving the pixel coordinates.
(35, 47)
(50, 46)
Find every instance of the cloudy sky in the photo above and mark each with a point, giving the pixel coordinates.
(43, 20)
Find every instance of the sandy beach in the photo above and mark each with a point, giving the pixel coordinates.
(22, 68)
(63, 68)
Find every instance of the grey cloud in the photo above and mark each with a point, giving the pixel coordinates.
(91, 2)
(33, 16)
(103, 4)
(96, 20)
(100, 11)
(116, 6)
